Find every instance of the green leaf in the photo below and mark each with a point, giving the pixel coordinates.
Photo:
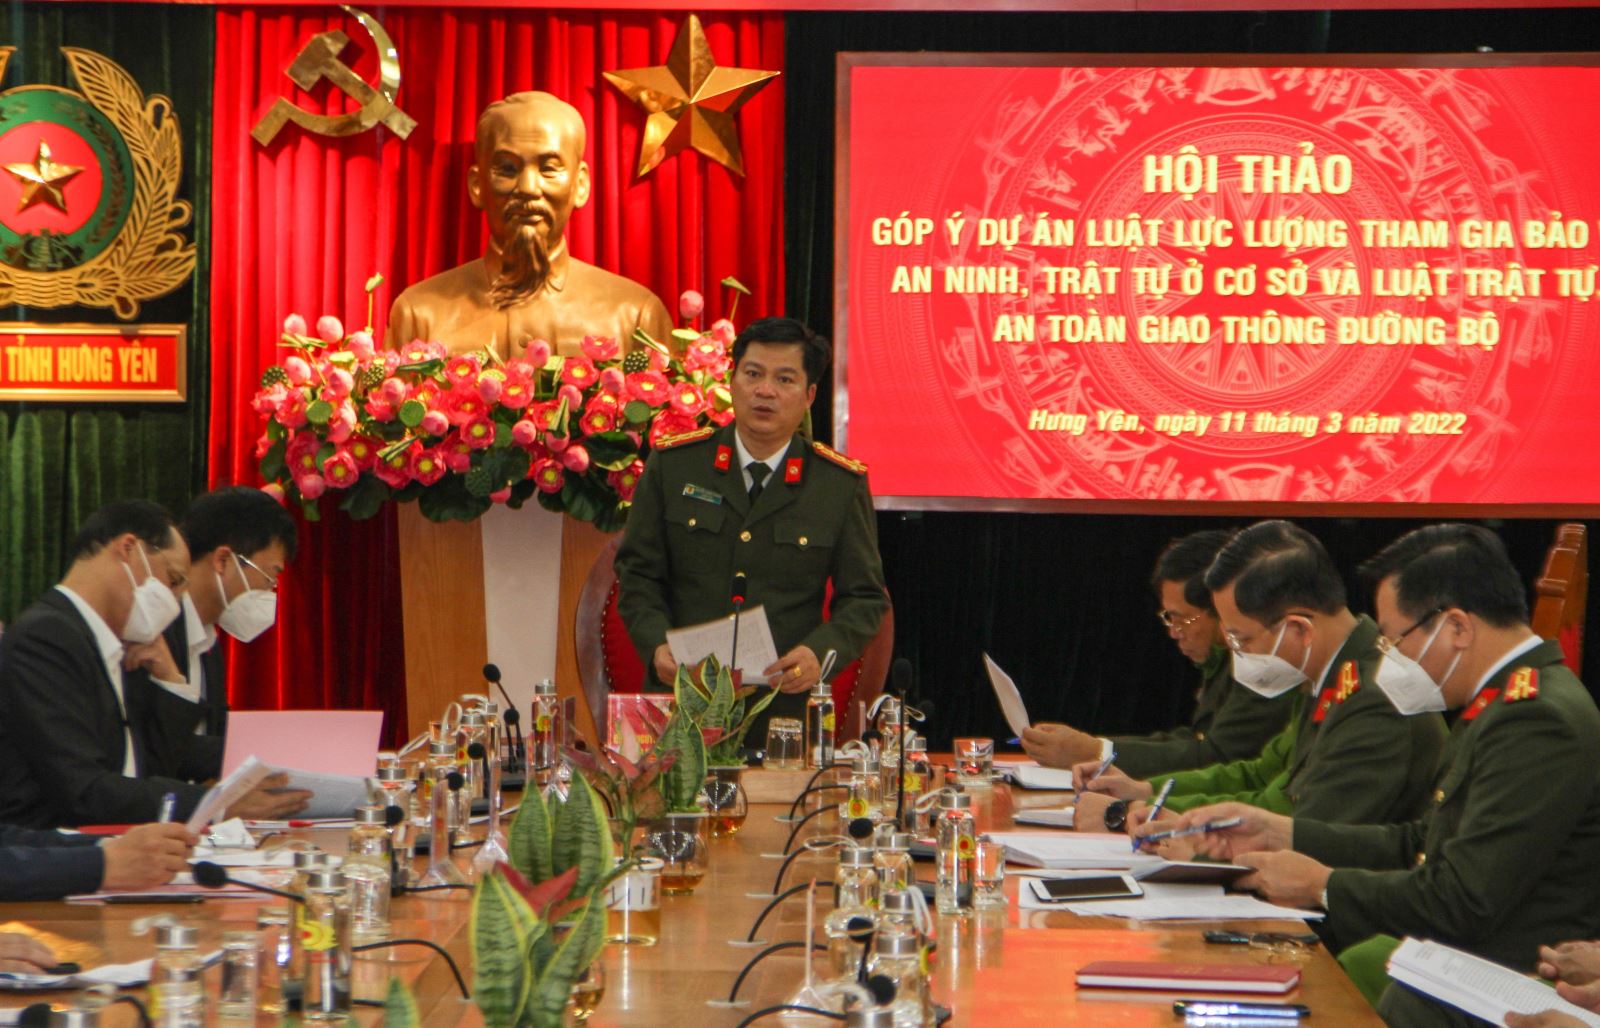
(685, 335)
(636, 412)
(735, 284)
(325, 451)
(581, 837)
(611, 450)
(501, 933)
(449, 500)
(529, 838)
(431, 366)
(400, 1007)
(547, 1007)
(273, 468)
(365, 498)
(412, 413)
(691, 700)
(681, 782)
(583, 498)
(721, 706)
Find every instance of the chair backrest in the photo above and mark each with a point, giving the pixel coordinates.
(1561, 593)
(607, 661)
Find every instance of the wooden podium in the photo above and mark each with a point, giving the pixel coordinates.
(446, 618)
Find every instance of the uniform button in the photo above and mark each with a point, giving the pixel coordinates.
(744, 537)
(803, 540)
(1438, 795)
(691, 522)
(1200, 736)
(1422, 858)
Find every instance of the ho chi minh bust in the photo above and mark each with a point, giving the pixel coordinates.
(528, 178)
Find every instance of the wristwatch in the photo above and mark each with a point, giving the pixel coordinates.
(1116, 816)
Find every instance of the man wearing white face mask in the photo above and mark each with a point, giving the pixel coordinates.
(240, 541)
(69, 752)
(1503, 860)
(1347, 755)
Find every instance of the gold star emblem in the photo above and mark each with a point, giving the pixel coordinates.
(42, 180)
(691, 101)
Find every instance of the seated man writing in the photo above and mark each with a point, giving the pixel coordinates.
(1230, 722)
(1348, 755)
(48, 865)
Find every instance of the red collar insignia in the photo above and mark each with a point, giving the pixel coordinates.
(724, 459)
(1476, 707)
(1522, 685)
(1325, 702)
(792, 469)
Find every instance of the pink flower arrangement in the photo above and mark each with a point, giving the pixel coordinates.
(459, 433)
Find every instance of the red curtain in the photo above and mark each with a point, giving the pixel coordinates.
(298, 226)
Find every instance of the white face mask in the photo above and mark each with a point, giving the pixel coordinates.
(1410, 688)
(154, 606)
(1267, 674)
(250, 613)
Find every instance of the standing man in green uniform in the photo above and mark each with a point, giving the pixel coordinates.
(755, 498)
(1348, 755)
(1230, 722)
(1504, 859)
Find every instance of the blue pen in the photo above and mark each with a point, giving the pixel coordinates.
(169, 803)
(1209, 826)
(1155, 810)
(1102, 768)
(1015, 740)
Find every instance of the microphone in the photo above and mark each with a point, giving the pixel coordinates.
(900, 675)
(215, 876)
(511, 719)
(882, 988)
(740, 580)
(859, 828)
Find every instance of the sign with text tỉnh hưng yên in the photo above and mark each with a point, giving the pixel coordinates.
(93, 363)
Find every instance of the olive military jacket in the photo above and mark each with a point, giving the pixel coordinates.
(1505, 857)
(1347, 756)
(1230, 723)
(692, 527)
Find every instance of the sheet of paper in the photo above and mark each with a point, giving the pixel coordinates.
(120, 975)
(1478, 986)
(335, 742)
(1050, 817)
(281, 857)
(1073, 850)
(757, 652)
(225, 793)
(1005, 690)
(1030, 774)
(333, 795)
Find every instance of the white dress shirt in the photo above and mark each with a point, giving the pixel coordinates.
(771, 462)
(111, 655)
(201, 639)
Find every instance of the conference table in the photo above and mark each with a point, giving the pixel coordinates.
(1000, 967)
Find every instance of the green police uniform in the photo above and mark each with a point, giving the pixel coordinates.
(1230, 723)
(1347, 755)
(1503, 861)
(692, 527)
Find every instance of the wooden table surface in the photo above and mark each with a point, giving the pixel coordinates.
(1006, 967)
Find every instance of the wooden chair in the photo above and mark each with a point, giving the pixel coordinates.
(1561, 593)
(607, 661)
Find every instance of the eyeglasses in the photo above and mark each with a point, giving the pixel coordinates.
(1236, 641)
(1172, 620)
(1385, 644)
(272, 580)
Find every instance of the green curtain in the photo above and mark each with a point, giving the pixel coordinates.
(60, 462)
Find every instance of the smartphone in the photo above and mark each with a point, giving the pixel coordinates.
(1064, 890)
(1224, 938)
(1218, 1008)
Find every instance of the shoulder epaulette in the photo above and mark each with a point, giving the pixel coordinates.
(1522, 685)
(667, 442)
(828, 453)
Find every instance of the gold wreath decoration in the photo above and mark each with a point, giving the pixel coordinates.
(149, 257)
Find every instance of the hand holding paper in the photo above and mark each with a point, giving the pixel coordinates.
(757, 652)
(1005, 690)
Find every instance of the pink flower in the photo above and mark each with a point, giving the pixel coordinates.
(516, 393)
(626, 480)
(721, 417)
(297, 369)
(597, 419)
(294, 325)
(266, 401)
(649, 387)
(378, 408)
(543, 414)
(703, 353)
(601, 348)
(670, 422)
(274, 490)
(573, 395)
(462, 406)
(363, 450)
(435, 423)
(330, 328)
(311, 486)
(538, 353)
(500, 495)
(343, 423)
(721, 397)
(291, 411)
(301, 454)
(263, 445)
(396, 471)
(578, 372)
(556, 443)
(394, 391)
(690, 305)
(419, 350)
(722, 331)
(427, 466)
(490, 388)
(340, 471)
(337, 383)
(524, 433)
(613, 381)
(479, 432)
(688, 399)
(362, 345)
(461, 370)
(457, 455)
(548, 476)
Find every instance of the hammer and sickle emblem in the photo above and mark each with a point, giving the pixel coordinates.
(319, 59)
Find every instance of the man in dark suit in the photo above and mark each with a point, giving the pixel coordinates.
(240, 540)
(69, 754)
(37, 865)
